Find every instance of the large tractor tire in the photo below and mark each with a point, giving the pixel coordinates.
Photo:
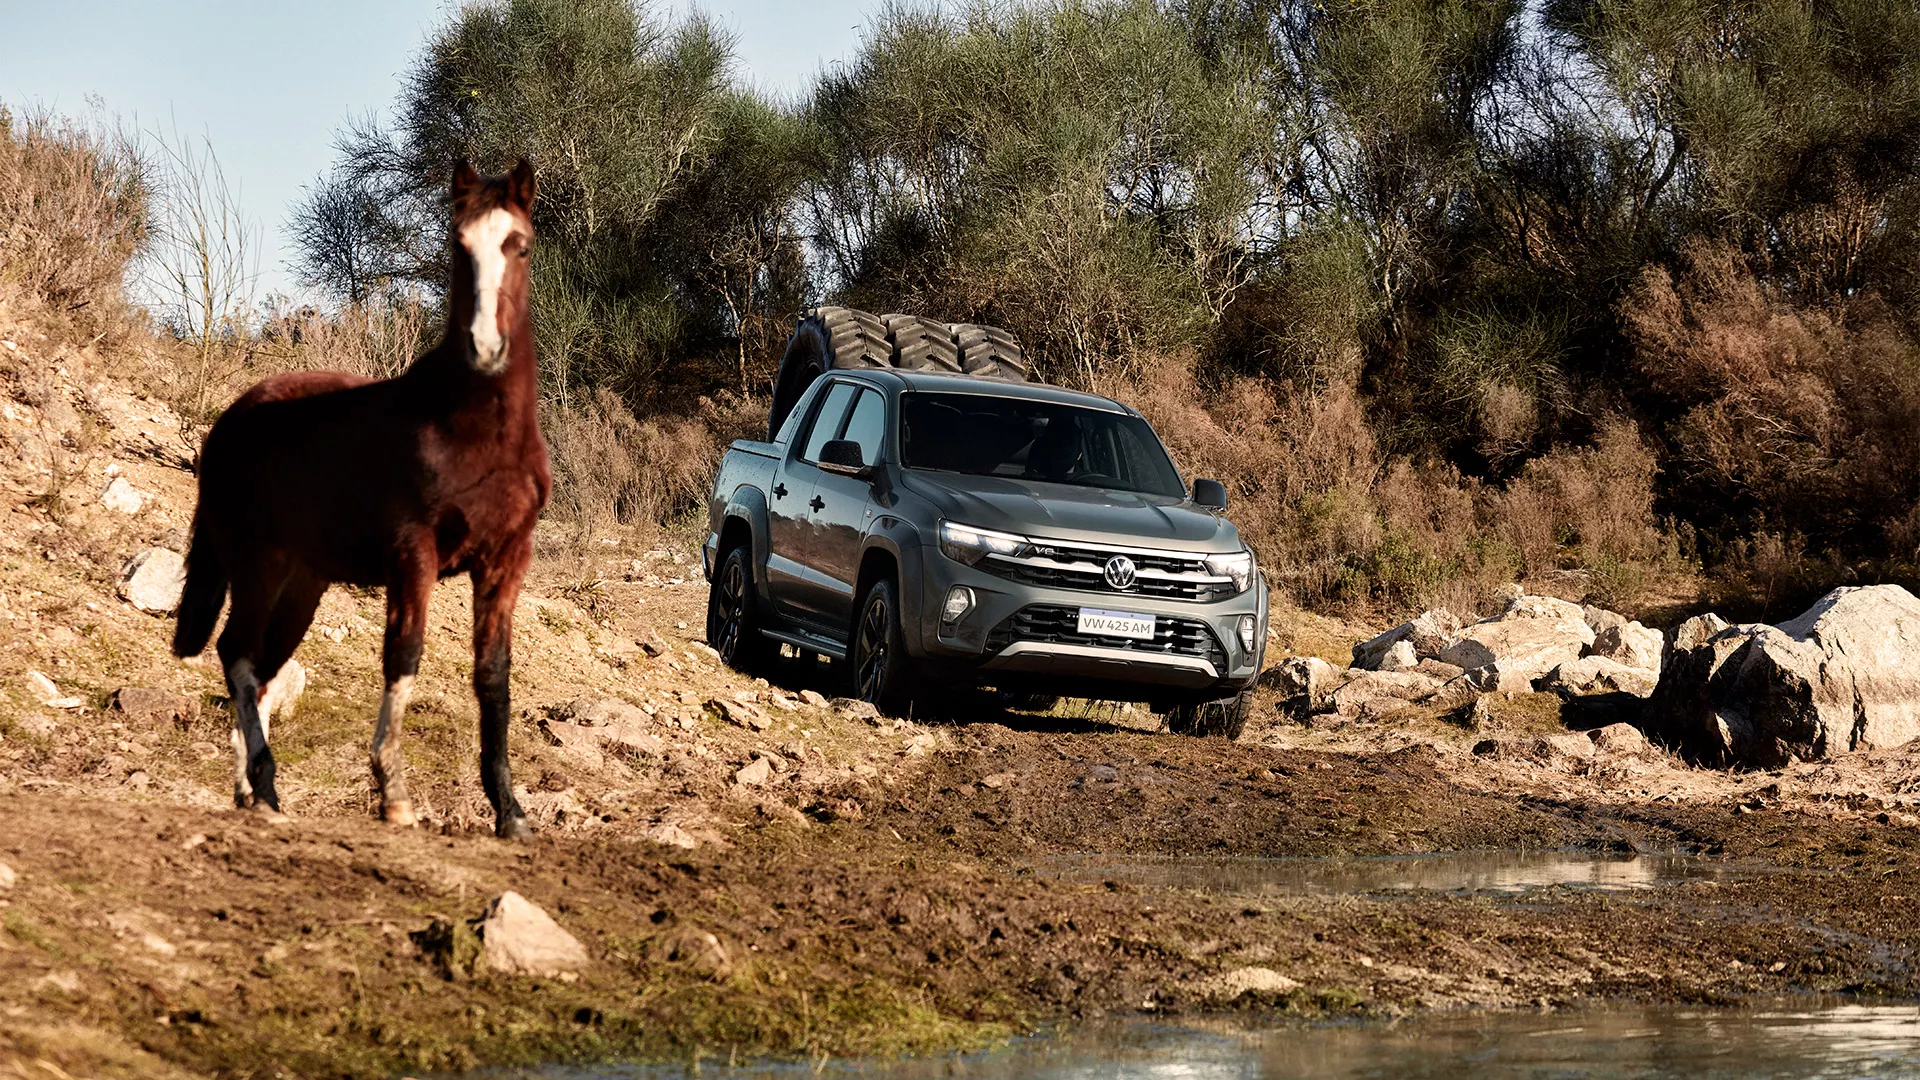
(836, 337)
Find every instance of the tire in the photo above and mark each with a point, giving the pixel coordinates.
(990, 352)
(882, 670)
(733, 624)
(1225, 718)
(829, 338)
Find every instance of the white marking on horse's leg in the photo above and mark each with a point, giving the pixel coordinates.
(482, 237)
(394, 804)
(246, 690)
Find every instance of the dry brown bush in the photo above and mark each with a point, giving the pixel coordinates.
(1335, 524)
(73, 214)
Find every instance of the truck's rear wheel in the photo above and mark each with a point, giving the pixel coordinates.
(882, 670)
(1224, 719)
(733, 628)
(838, 337)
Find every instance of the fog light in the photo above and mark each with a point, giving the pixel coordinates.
(1246, 634)
(959, 602)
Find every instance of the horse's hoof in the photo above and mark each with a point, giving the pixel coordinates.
(269, 813)
(400, 812)
(513, 828)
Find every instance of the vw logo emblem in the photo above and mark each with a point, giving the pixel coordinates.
(1119, 572)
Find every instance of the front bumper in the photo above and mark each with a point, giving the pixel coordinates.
(1023, 634)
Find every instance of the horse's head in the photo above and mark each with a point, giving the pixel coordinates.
(493, 229)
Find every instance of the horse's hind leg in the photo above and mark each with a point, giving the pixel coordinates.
(409, 591)
(241, 646)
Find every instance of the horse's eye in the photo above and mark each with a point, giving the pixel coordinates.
(523, 253)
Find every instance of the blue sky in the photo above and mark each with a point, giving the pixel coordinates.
(271, 81)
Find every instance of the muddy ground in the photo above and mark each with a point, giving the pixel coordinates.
(877, 894)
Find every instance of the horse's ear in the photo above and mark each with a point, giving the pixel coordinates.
(464, 179)
(520, 184)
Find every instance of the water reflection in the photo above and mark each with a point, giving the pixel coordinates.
(1776, 1043)
(1470, 871)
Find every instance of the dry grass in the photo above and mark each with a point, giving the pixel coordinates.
(76, 208)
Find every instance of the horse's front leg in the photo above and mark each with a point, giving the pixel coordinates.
(496, 588)
(409, 591)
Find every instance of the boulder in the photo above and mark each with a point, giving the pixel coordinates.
(1532, 637)
(1842, 677)
(1599, 619)
(1439, 669)
(152, 581)
(1400, 657)
(1631, 644)
(1405, 645)
(1464, 689)
(1592, 675)
(1620, 740)
(517, 937)
(1301, 679)
(1381, 686)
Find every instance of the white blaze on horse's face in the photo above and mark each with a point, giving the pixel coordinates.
(483, 237)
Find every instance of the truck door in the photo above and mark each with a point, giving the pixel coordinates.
(842, 510)
(791, 537)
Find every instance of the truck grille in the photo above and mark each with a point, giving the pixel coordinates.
(1061, 626)
(1064, 566)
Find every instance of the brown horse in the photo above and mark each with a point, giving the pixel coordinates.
(314, 478)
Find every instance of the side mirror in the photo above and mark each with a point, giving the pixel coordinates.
(844, 456)
(1208, 493)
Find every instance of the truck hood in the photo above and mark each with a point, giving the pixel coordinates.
(1068, 512)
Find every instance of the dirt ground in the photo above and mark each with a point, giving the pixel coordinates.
(875, 894)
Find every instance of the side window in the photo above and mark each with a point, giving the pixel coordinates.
(826, 422)
(868, 425)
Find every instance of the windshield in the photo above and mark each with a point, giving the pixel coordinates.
(1034, 440)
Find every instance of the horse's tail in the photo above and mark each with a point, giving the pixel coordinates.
(205, 592)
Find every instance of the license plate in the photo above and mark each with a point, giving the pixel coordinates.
(1124, 624)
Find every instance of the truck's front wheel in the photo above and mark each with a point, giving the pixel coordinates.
(1225, 719)
(882, 670)
(732, 629)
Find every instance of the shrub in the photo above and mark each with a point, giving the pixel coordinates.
(73, 212)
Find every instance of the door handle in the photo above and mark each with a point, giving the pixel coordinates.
(779, 491)
(818, 503)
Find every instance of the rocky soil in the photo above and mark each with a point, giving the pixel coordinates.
(730, 867)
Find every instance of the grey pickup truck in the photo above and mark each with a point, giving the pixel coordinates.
(924, 512)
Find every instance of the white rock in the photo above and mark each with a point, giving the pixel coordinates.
(754, 773)
(1591, 675)
(1229, 985)
(123, 497)
(42, 687)
(1532, 637)
(1623, 740)
(1600, 618)
(283, 691)
(1631, 644)
(1368, 687)
(153, 579)
(1303, 680)
(521, 939)
(1401, 657)
(7, 876)
(1843, 677)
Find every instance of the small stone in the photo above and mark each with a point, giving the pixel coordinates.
(149, 707)
(997, 780)
(814, 698)
(670, 836)
(783, 702)
(283, 691)
(755, 773)
(652, 643)
(519, 938)
(699, 950)
(122, 497)
(139, 780)
(44, 691)
(742, 714)
(152, 581)
(856, 708)
(7, 877)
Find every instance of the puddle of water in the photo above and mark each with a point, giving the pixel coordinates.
(1881, 1042)
(1465, 871)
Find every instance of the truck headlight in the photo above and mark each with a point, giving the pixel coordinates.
(964, 543)
(1237, 566)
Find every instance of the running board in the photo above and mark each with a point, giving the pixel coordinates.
(800, 639)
